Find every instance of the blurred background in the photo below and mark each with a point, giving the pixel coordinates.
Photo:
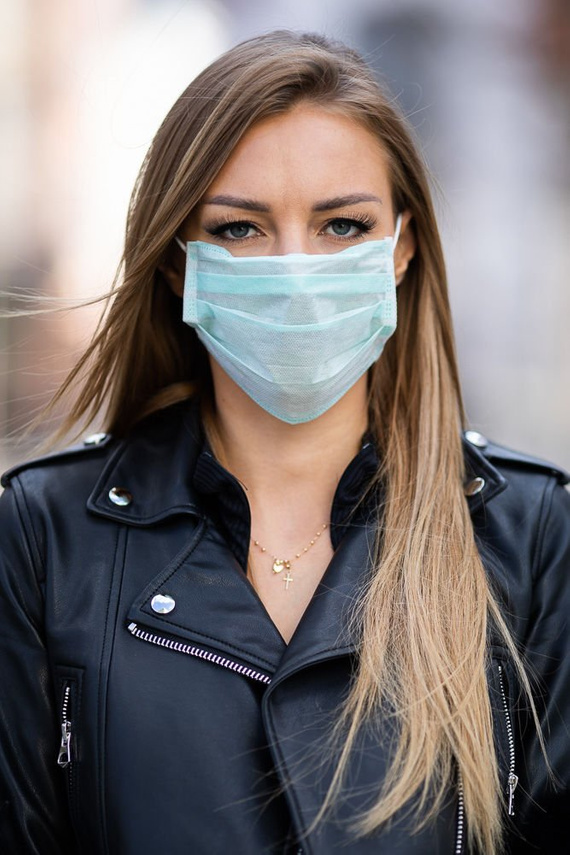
(85, 83)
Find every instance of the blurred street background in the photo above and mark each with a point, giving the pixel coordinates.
(84, 84)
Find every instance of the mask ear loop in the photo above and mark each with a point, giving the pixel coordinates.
(396, 231)
(180, 243)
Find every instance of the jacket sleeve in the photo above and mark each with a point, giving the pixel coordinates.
(544, 797)
(33, 803)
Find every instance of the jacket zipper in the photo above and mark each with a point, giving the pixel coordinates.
(67, 756)
(64, 756)
(512, 780)
(191, 650)
(460, 816)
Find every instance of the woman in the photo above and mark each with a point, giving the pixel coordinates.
(282, 605)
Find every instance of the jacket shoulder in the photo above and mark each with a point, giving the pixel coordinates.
(94, 444)
(503, 457)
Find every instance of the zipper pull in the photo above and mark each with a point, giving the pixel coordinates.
(512, 785)
(64, 756)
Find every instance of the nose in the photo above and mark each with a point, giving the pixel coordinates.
(293, 240)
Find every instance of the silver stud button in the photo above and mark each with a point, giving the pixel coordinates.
(162, 604)
(475, 486)
(476, 438)
(119, 496)
(94, 439)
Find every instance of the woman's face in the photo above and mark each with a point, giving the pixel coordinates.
(306, 181)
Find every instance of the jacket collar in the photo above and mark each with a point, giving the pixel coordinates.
(482, 480)
(154, 468)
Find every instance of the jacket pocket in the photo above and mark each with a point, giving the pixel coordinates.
(69, 692)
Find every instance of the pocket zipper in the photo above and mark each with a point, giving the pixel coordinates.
(460, 816)
(512, 779)
(191, 650)
(68, 754)
(64, 756)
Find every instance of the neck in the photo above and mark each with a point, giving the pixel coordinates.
(293, 469)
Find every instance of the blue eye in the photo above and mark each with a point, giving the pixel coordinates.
(341, 227)
(234, 230)
(238, 230)
(349, 227)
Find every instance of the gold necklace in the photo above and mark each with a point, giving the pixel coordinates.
(280, 564)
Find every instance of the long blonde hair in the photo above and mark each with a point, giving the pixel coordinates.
(424, 617)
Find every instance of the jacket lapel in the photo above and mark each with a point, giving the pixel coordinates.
(325, 630)
(214, 606)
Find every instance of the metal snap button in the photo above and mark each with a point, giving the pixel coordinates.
(120, 496)
(94, 439)
(162, 603)
(475, 486)
(476, 438)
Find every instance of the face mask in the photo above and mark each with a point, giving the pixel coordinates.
(295, 332)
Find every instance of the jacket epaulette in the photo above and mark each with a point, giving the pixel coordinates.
(501, 455)
(93, 442)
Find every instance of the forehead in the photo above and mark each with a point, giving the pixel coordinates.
(308, 151)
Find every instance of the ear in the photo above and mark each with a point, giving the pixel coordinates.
(172, 268)
(405, 248)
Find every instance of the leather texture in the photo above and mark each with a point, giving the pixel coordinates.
(199, 730)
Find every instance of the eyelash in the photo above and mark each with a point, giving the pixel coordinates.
(364, 222)
(217, 229)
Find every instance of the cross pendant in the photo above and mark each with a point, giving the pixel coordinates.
(287, 579)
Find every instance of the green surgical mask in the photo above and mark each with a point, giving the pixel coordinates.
(295, 332)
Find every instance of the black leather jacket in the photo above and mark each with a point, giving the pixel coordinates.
(130, 729)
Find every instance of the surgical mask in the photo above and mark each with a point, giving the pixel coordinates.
(296, 331)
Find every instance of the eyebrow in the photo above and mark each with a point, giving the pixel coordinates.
(237, 202)
(344, 201)
(325, 205)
